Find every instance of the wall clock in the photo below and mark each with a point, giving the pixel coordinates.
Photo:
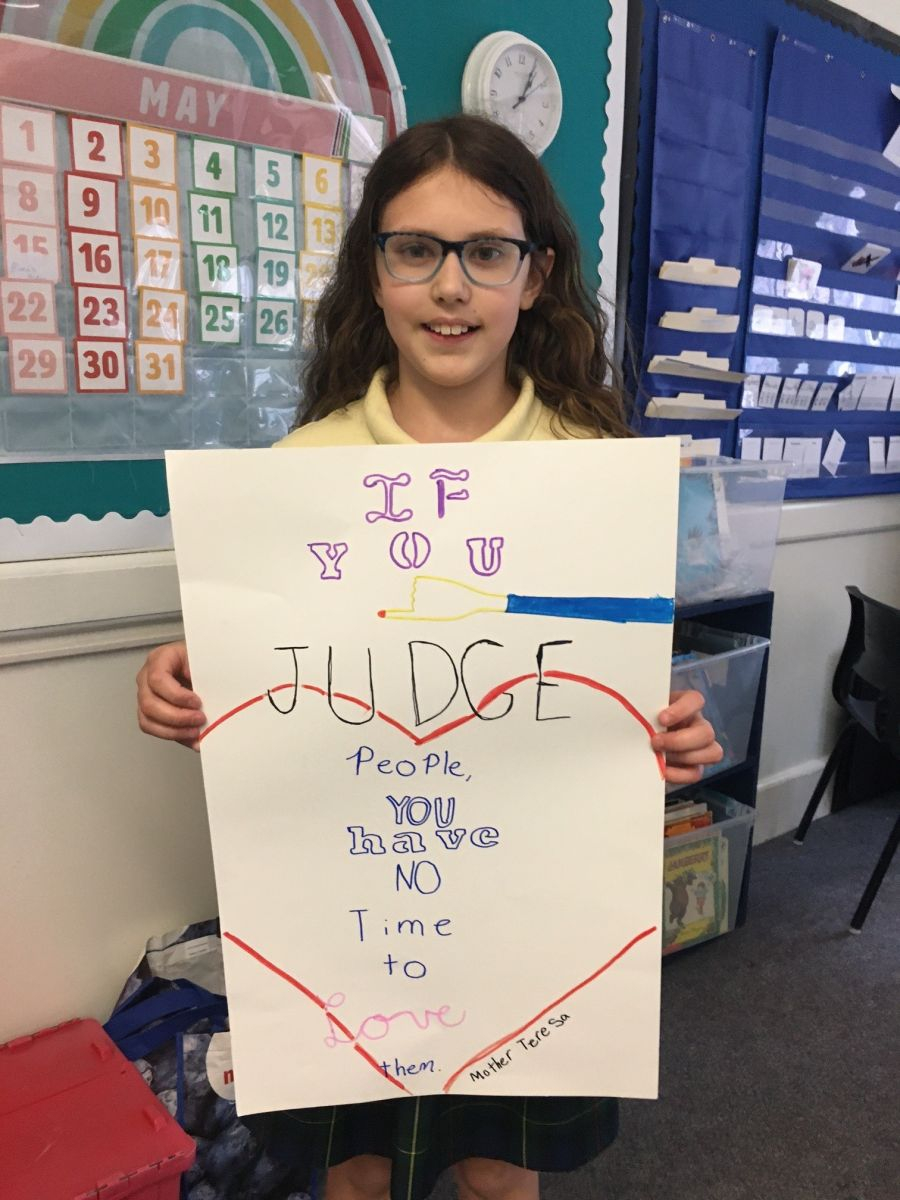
(513, 80)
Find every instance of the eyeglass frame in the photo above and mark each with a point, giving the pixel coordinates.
(524, 247)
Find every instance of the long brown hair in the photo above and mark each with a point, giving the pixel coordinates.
(560, 341)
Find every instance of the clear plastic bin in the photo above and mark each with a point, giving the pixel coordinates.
(727, 673)
(702, 874)
(728, 518)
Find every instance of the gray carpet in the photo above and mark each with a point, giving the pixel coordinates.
(780, 1063)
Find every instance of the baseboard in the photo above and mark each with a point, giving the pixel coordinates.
(782, 798)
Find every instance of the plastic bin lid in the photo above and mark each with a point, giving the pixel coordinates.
(78, 1121)
(718, 462)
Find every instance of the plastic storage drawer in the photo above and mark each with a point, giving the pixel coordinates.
(728, 516)
(728, 675)
(702, 874)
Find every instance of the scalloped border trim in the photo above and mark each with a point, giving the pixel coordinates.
(611, 164)
(112, 534)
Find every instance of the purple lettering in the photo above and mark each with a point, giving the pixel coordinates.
(329, 555)
(441, 475)
(388, 482)
(484, 554)
(410, 551)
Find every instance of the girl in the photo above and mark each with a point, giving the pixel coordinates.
(457, 312)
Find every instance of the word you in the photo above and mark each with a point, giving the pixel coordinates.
(410, 549)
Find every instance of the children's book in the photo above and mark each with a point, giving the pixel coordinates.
(695, 891)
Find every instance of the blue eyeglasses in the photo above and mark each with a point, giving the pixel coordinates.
(486, 261)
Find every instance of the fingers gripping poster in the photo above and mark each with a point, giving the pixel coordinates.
(431, 674)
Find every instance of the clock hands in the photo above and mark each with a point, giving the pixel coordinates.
(528, 83)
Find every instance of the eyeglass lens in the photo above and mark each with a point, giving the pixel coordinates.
(485, 260)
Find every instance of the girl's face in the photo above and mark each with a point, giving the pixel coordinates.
(451, 205)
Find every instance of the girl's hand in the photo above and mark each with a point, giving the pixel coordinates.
(689, 741)
(167, 708)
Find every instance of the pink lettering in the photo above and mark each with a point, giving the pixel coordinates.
(377, 1026)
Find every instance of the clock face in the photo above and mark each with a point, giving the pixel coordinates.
(515, 82)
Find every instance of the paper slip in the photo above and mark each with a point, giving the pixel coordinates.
(834, 330)
(802, 278)
(750, 393)
(700, 320)
(704, 271)
(700, 447)
(789, 390)
(689, 406)
(877, 462)
(895, 395)
(815, 324)
(694, 364)
(806, 393)
(751, 448)
(876, 393)
(869, 256)
(804, 455)
(823, 396)
(893, 454)
(849, 397)
(772, 449)
(834, 452)
(768, 393)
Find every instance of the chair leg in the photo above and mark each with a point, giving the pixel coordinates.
(877, 875)
(841, 747)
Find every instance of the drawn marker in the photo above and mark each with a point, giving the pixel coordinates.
(434, 598)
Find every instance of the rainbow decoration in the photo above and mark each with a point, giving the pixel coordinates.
(330, 50)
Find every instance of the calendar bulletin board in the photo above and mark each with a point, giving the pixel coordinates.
(117, 339)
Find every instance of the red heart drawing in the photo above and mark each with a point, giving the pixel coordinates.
(417, 740)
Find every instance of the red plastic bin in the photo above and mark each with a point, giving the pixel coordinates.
(77, 1122)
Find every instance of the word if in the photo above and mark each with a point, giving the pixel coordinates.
(410, 549)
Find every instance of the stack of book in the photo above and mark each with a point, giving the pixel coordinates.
(695, 877)
(685, 815)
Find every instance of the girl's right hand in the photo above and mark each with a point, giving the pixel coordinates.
(167, 707)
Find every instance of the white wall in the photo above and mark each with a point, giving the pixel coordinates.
(882, 12)
(103, 840)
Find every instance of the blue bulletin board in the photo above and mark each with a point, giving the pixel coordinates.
(761, 136)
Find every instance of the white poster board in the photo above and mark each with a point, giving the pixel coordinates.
(437, 840)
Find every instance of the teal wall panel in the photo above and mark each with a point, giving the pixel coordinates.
(430, 46)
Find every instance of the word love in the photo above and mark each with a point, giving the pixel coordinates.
(410, 549)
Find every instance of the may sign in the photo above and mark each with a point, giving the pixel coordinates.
(431, 675)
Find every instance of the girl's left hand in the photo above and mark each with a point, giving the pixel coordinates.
(689, 741)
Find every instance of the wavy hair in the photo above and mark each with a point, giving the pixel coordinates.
(560, 342)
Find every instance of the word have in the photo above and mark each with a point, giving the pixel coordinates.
(378, 1026)
(410, 550)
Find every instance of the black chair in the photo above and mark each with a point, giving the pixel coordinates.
(866, 685)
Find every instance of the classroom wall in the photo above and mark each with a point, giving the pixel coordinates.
(103, 837)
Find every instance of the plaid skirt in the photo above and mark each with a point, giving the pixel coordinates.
(423, 1136)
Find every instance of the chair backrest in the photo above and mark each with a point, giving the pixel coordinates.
(867, 678)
